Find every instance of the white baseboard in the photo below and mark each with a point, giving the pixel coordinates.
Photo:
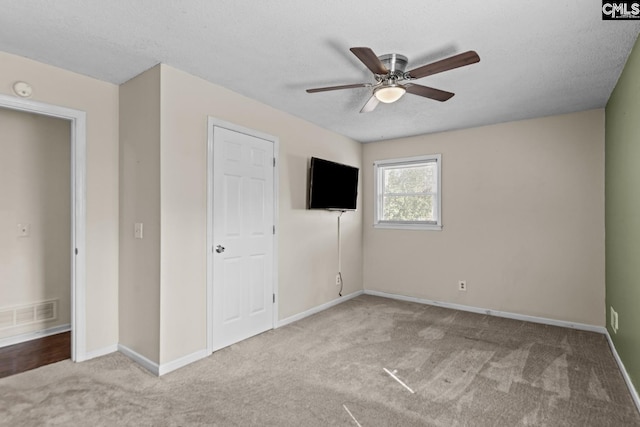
(165, 368)
(100, 352)
(623, 371)
(4, 342)
(149, 365)
(505, 314)
(317, 309)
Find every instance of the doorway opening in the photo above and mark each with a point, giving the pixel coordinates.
(73, 246)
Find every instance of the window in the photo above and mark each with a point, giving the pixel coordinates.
(407, 193)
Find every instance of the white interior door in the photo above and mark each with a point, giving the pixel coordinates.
(243, 233)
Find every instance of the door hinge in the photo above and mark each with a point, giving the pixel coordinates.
(76, 251)
(274, 162)
(274, 298)
(274, 229)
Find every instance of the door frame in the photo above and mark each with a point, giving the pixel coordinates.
(216, 122)
(78, 137)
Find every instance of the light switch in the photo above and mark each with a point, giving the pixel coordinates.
(24, 230)
(138, 230)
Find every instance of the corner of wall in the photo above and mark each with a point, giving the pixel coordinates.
(139, 272)
(623, 215)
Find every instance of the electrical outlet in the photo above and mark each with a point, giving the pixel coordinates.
(462, 285)
(338, 280)
(613, 321)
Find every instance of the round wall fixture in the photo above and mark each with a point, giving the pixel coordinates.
(22, 89)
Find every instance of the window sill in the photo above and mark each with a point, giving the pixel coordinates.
(397, 226)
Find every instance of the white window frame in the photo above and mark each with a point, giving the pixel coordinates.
(378, 168)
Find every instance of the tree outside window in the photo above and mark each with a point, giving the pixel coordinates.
(408, 193)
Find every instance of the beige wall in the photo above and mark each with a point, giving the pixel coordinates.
(139, 295)
(523, 210)
(523, 216)
(36, 189)
(307, 239)
(100, 100)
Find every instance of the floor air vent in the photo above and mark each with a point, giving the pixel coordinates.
(44, 311)
(6, 318)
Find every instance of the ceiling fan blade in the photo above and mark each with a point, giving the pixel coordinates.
(460, 60)
(371, 104)
(428, 92)
(369, 59)
(324, 89)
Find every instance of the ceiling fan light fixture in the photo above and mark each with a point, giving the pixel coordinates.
(390, 93)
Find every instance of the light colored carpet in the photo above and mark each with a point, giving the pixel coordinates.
(465, 370)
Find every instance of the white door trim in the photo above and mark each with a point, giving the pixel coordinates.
(215, 122)
(78, 121)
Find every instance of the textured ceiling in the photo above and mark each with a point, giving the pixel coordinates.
(538, 58)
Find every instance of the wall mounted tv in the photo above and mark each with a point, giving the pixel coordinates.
(332, 186)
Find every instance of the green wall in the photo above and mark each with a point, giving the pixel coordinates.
(622, 210)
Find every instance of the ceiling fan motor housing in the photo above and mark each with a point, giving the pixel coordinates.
(395, 63)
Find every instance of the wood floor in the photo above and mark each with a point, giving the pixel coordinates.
(35, 353)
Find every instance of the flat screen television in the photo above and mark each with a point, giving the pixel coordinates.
(332, 185)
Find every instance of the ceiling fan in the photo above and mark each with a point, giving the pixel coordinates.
(392, 81)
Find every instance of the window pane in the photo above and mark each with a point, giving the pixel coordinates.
(407, 208)
(407, 193)
(410, 179)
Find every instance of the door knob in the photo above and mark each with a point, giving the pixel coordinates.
(219, 249)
